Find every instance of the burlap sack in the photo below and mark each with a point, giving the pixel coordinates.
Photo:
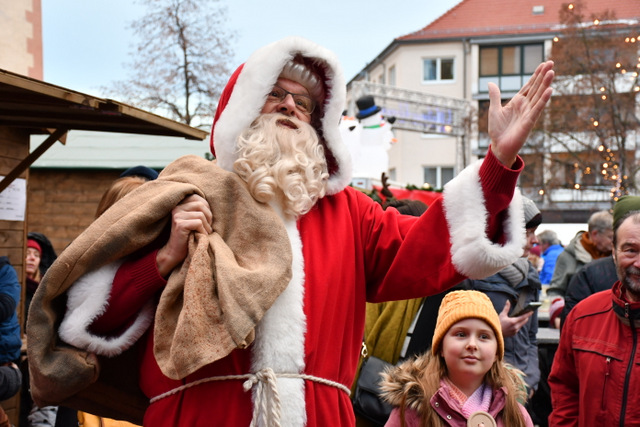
(209, 307)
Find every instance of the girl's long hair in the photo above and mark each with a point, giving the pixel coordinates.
(433, 368)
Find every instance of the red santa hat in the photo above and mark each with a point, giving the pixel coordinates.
(246, 92)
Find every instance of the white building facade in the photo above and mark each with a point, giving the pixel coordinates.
(455, 57)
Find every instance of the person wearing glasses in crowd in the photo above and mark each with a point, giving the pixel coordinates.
(593, 375)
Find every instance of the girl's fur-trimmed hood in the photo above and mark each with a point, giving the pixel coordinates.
(400, 384)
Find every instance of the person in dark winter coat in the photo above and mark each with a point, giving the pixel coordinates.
(10, 381)
(585, 247)
(10, 341)
(39, 257)
(596, 276)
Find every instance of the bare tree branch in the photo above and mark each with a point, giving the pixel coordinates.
(180, 61)
(592, 123)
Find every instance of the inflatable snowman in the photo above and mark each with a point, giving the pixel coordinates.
(368, 137)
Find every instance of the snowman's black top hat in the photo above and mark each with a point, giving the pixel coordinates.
(367, 107)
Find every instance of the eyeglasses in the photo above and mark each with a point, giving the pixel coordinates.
(303, 103)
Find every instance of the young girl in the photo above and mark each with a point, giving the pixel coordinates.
(462, 381)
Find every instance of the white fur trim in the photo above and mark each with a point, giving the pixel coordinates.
(280, 336)
(472, 253)
(86, 300)
(249, 94)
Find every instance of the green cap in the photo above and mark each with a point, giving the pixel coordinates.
(623, 206)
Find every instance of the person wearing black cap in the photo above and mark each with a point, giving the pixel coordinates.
(141, 171)
(511, 289)
(594, 373)
(129, 180)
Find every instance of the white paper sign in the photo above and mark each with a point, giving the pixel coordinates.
(13, 201)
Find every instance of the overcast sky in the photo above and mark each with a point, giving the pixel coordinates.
(86, 42)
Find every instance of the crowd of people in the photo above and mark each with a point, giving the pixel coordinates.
(242, 290)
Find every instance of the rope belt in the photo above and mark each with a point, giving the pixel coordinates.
(267, 401)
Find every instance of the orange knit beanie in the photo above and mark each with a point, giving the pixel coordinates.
(460, 305)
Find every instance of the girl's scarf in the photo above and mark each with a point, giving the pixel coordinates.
(480, 400)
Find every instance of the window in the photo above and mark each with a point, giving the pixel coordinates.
(508, 66)
(437, 69)
(438, 120)
(437, 176)
(392, 76)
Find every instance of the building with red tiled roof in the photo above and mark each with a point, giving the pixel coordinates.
(491, 18)
(454, 58)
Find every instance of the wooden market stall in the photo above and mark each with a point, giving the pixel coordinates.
(32, 107)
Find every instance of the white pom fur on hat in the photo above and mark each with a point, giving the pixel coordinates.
(256, 79)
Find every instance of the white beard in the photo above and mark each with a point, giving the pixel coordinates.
(280, 158)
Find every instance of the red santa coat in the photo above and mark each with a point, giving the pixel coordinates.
(351, 251)
(346, 251)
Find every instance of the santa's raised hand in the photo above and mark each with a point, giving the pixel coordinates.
(510, 125)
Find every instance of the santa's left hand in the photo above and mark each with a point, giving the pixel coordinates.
(510, 125)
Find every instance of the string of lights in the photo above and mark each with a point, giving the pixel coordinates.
(612, 164)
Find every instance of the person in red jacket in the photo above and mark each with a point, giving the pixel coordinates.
(276, 127)
(594, 375)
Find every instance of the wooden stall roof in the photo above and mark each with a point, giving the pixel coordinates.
(36, 106)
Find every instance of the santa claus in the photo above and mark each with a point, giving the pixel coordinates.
(276, 128)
